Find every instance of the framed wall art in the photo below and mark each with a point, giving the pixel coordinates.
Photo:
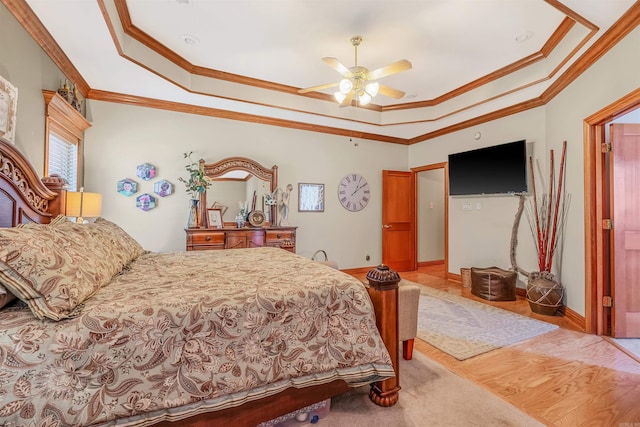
(214, 218)
(310, 197)
(8, 108)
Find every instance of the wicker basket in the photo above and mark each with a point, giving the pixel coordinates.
(465, 273)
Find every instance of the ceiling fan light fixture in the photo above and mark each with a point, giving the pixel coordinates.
(372, 88)
(364, 98)
(339, 96)
(345, 86)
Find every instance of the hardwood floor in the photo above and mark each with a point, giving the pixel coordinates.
(564, 378)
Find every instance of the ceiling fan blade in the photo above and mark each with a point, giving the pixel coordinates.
(394, 68)
(347, 100)
(390, 92)
(336, 65)
(318, 88)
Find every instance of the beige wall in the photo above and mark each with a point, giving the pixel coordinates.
(480, 237)
(430, 215)
(25, 65)
(125, 136)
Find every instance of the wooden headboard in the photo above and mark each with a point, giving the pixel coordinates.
(24, 197)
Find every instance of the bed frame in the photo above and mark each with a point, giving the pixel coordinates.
(24, 198)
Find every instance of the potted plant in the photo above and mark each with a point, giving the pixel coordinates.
(546, 214)
(195, 184)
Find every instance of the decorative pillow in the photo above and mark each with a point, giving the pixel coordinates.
(55, 268)
(60, 219)
(121, 245)
(5, 296)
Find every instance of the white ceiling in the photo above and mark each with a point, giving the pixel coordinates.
(451, 44)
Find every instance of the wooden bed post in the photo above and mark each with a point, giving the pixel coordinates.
(383, 291)
(57, 184)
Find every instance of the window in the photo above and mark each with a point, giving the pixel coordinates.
(64, 130)
(63, 160)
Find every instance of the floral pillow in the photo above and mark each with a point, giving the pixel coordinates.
(60, 219)
(5, 296)
(121, 245)
(54, 269)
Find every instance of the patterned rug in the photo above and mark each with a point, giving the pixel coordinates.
(465, 328)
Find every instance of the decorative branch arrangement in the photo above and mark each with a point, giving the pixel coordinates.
(547, 213)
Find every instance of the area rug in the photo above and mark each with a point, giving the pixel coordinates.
(465, 328)
(430, 396)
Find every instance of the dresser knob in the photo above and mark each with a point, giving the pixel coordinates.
(279, 236)
(208, 238)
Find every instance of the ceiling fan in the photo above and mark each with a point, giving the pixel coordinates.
(358, 82)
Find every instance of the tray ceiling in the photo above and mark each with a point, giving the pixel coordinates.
(246, 59)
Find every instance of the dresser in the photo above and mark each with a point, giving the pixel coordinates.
(204, 239)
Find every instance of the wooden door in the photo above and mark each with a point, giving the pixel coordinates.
(398, 220)
(625, 254)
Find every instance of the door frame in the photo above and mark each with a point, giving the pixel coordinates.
(445, 167)
(597, 264)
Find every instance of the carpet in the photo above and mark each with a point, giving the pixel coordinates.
(464, 328)
(430, 396)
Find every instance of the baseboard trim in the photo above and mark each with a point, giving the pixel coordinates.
(430, 263)
(454, 277)
(576, 319)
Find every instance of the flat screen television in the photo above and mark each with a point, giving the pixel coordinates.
(495, 170)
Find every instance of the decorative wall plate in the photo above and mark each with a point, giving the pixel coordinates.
(127, 187)
(163, 188)
(256, 218)
(145, 202)
(146, 171)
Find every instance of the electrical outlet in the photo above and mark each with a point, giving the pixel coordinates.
(467, 206)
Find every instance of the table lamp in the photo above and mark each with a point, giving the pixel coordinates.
(83, 205)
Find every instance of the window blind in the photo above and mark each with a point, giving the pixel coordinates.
(63, 160)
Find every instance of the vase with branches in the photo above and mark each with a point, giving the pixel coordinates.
(196, 183)
(546, 213)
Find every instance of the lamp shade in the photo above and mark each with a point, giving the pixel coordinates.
(83, 205)
(364, 98)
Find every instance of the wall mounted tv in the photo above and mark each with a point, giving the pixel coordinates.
(500, 169)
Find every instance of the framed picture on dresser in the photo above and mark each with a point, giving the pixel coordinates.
(214, 218)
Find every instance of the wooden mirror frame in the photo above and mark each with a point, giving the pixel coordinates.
(216, 170)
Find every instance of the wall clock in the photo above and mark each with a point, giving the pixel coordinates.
(353, 192)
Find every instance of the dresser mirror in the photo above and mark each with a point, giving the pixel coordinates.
(235, 180)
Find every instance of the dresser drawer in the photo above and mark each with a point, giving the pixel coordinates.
(280, 235)
(207, 238)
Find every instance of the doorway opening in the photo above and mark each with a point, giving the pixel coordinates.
(598, 259)
(432, 213)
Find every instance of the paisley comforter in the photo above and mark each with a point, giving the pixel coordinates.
(187, 332)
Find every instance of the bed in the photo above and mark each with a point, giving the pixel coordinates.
(103, 332)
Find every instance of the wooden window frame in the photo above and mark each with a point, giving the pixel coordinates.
(67, 123)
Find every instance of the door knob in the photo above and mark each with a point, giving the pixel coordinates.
(386, 226)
